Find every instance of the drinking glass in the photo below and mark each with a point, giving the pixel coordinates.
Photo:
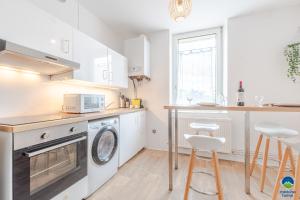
(189, 97)
(259, 101)
(221, 100)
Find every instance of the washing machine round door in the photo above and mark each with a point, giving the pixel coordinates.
(105, 145)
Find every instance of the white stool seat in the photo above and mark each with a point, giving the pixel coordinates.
(204, 127)
(205, 143)
(275, 130)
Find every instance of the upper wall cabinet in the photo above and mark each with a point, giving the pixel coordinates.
(118, 69)
(66, 10)
(93, 60)
(137, 50)
(24, 23)
(98, 64)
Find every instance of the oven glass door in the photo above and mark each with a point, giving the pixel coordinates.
(45, 170)
(50, 166)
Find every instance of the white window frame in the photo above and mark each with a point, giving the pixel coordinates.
(219, 62)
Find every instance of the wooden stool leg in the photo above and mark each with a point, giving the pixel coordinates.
(216, 167)
(290, 152)
(280, 173)
(256, 154)
(297, 179)
(264, 166)
(189, 176)
(279, 151)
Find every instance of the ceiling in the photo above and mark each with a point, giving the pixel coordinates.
(130, 17)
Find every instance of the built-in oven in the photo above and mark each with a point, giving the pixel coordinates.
(43, 170)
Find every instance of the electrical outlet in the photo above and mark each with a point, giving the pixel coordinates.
(154, 131)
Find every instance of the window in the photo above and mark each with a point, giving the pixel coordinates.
(198, 71)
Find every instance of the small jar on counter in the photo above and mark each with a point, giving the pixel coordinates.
(127, 103)
(122, 101)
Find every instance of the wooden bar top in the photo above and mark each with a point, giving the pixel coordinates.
(234, 108)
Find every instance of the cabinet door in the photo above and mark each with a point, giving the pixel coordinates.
(92, 57)
(17, 22)
(57, 37)
(118, 75)
(128, 137)
(24, 23)
(142, 130)
(65, 10)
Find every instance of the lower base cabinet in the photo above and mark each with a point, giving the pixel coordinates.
(132, 135)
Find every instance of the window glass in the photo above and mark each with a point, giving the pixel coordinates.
(196, 69)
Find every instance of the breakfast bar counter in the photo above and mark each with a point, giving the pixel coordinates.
(246, 109)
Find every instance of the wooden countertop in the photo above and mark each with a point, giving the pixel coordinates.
(15, 125)
(234, 108)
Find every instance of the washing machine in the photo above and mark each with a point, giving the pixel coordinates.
(103, 145)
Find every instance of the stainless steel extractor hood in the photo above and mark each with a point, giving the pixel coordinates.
(23, 58)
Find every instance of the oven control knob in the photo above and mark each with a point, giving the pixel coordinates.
(72, 130)
(44, 136)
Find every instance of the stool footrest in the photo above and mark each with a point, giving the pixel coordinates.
(204, 172)
(203, 192)
(203, 158)
(287, 169)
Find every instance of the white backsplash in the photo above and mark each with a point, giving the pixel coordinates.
(31, 94)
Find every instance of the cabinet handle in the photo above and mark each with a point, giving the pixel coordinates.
(104, 74)
(66, 46)
(111, 76)
(51, 58)
(34, 153)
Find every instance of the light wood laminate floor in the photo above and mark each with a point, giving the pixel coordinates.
(145, 177)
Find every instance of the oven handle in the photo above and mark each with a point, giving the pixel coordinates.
(34, 153)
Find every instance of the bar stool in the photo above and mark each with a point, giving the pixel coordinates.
(270, 130)
(210, 144)
(201, 127)
(295, 144)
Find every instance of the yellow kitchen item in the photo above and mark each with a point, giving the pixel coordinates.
(136, 103)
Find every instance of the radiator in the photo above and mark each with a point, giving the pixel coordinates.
(224, 131)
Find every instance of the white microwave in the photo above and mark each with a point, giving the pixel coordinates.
(83, 103)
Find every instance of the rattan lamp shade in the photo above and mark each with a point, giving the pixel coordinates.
(180, 9)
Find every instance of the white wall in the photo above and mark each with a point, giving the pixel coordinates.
(31, 94)
(255, 55)
(82, 19)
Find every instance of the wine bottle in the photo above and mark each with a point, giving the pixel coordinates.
(241, 95)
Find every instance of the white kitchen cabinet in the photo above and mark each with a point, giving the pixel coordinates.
(24, 23)
(141, 118)
(118, 73)
(58, 38)
(132, 135)
(98, 64)
(93, 60)
(66, 10)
